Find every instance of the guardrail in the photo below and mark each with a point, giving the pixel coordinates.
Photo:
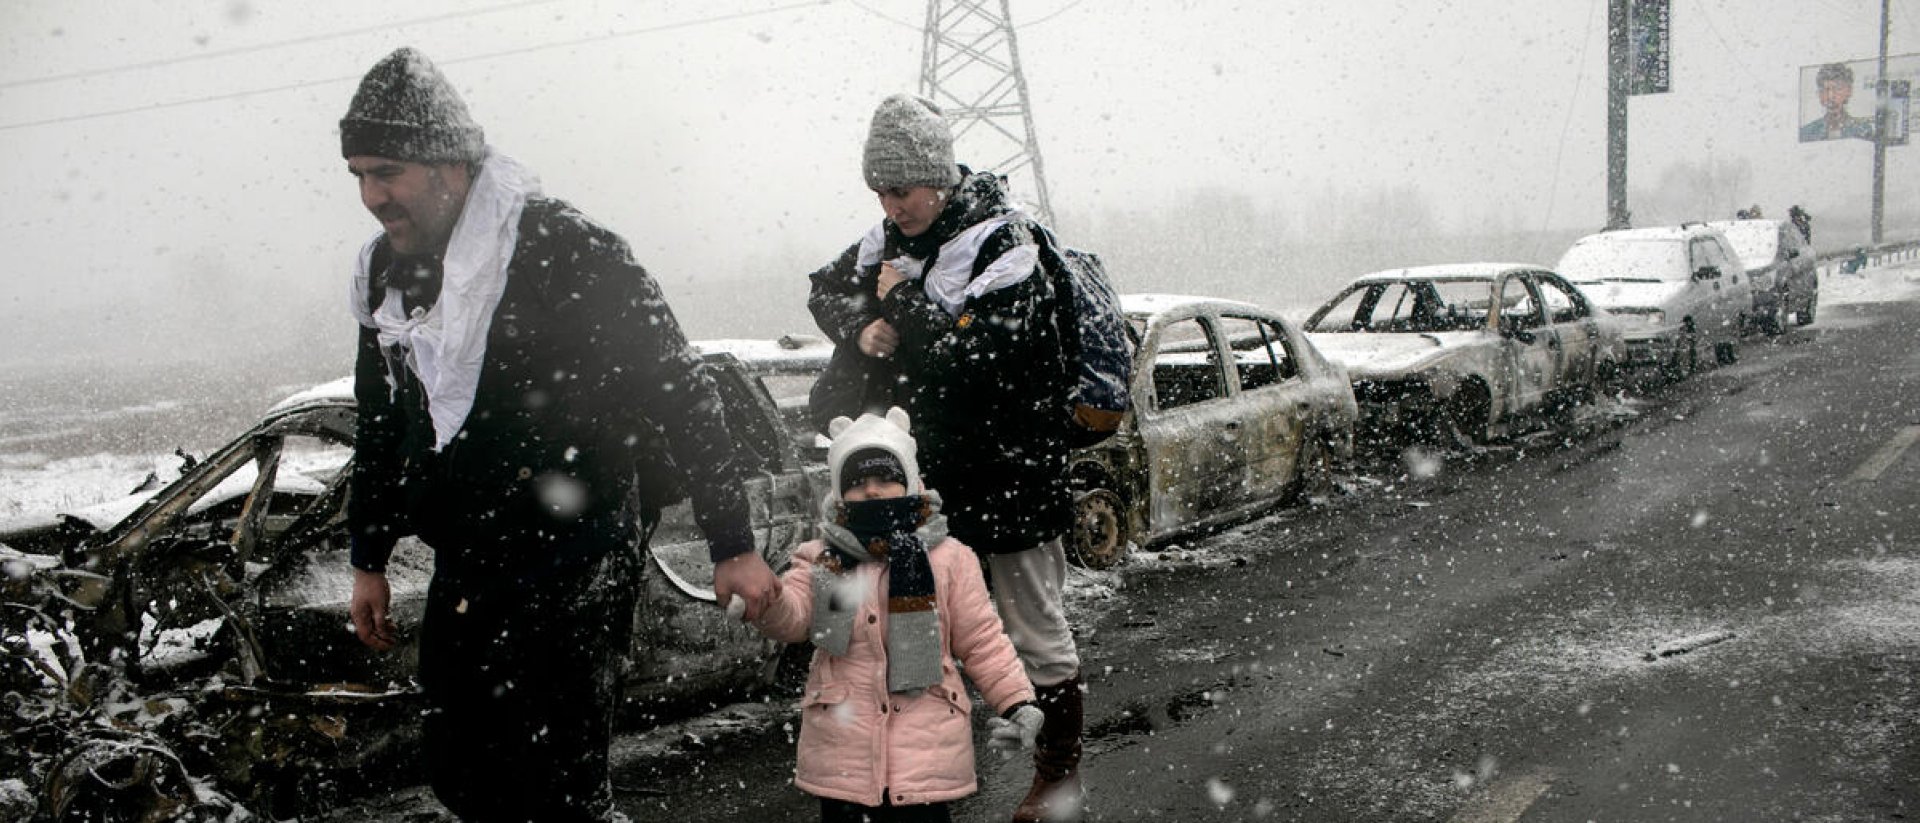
(1837, 262)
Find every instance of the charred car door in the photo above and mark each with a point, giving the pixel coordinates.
(1272, 404)
(1573, 324)
(1192, 433)
(1533, 351)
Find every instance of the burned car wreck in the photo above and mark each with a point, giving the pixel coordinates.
(1233, 412)
(1460, 354)
(187, 652)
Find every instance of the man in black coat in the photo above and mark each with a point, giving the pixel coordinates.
(526, 400)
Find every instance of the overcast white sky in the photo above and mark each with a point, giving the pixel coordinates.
(723, 137)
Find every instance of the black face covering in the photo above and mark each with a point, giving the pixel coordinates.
(887, 520)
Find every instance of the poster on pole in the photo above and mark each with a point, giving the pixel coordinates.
(1829, 111)
(1649, 30)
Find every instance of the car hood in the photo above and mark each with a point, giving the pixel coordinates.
(98, 517)
(105, 515)
(1372, 354)
(1633, 294)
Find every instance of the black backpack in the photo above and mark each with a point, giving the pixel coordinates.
(1094, 335)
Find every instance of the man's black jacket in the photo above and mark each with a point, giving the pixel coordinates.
(588, 385)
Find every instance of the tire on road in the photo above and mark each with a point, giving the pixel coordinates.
(1804, 317)
(1313, 471)
(1463, 420)
(1101, 532)
(1686, 358)
(1726, 353)
(1775, 323)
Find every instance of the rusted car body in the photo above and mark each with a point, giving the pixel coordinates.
(1467, 351)
(1233, 411)
(230, 585)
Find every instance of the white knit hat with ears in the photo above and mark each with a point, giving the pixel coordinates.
(872, 431)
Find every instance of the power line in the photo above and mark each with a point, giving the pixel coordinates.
(1731, 54)
(883, 15)
(1573, 101)
(915, 27)
(469, 59)
(259, 47)
(1057, 12)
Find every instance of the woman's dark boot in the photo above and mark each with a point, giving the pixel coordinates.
(1056, 795)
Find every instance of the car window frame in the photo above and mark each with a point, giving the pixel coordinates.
(1285, 365)
(1154, 406)
(1540, 319)
(1704, 252)
(1581, 309)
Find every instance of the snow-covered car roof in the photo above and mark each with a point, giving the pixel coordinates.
(1447, 271)
(1754, 241)
(1670, 233)
(1145, 304)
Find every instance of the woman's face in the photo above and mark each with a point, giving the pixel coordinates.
(912, 209)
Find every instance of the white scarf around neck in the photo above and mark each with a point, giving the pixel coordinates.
(446, 344)
(951, 282)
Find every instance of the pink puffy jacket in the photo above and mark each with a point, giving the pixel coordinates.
(856, 740)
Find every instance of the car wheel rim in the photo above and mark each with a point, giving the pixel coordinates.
(1099, 534)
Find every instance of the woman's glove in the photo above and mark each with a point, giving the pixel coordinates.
(1017, 729)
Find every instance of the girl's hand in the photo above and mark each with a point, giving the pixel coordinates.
(1018, 732)
(889, 277)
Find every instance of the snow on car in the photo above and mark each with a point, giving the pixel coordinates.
(1786, 279)
(1675, 288)
(1465, 352)
(1233, 411)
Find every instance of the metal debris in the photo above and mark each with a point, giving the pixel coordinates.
(1688, 644)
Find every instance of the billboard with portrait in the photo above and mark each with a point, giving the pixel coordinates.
(1837, 99)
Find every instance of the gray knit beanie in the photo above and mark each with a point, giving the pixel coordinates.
(406, 110)
(909, 145)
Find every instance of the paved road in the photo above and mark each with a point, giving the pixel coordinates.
(1472, 646)
(1478, 638)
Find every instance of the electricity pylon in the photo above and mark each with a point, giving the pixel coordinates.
(970, 67)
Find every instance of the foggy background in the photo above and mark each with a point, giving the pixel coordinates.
(176, 197)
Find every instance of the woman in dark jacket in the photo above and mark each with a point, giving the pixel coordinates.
(943, 308)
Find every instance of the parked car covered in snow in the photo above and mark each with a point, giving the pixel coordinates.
(1465, 352)
(1785, 275)
(230, 585)
(1233, 411)
(1675, 288)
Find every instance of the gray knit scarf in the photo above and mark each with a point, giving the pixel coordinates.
(913, 622)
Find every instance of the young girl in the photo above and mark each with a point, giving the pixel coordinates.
(891, 603)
